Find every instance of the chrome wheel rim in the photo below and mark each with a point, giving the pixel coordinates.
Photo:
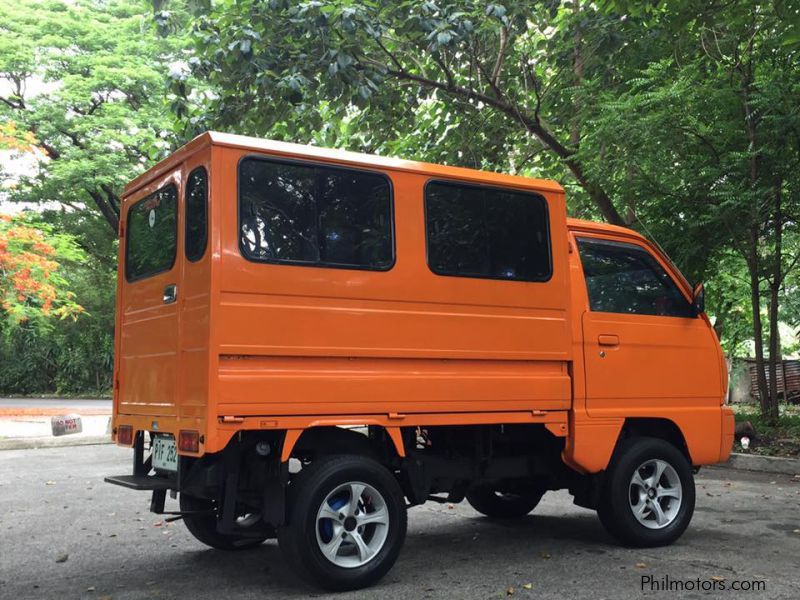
(352, 525)
(655, 494)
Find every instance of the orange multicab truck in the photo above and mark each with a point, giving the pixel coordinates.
(311, 341)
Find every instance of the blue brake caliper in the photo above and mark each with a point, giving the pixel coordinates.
(325, 525)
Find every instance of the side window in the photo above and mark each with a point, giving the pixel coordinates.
(625, 278)
(476, 231)
(314, 215)
(196, 214)
(152, 234)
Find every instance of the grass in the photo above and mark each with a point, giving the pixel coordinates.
(781, 439)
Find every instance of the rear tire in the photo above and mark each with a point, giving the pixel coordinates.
(648, 493)
(204, 526)
(499, 505)
(346, 522)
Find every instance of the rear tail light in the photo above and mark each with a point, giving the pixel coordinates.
(189, 441)
(125, 435)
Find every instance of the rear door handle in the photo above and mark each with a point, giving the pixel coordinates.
(170, 293)
(608, 340)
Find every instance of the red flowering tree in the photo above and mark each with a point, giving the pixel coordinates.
(33, 289)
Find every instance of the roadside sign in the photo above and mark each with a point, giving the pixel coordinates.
(66, 424)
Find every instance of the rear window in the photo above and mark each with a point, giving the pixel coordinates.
(152, 233)
(491, 233)
(196, 214)
(314, 215)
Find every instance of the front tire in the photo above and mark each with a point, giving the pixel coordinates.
(203, 526)
(346, 522)
(648, 494)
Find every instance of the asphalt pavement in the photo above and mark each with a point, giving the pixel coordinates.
(66, 534)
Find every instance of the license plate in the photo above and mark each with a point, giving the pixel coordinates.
(165, 453)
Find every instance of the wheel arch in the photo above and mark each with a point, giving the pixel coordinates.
(656, 427)
(378, 441)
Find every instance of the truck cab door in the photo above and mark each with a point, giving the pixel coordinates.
(646, 352)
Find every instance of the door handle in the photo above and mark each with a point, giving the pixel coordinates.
(170, 293)
(608, 340)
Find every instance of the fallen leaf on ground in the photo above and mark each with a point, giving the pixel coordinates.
(158, 524)
(62, 558)
(527, 586)
(641, 565)
(510, 591)
(90, 588)
(717, 578)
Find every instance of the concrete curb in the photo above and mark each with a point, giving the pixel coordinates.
(53, 442)
(767, 464)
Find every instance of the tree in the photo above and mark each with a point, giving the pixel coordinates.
(50, 342)
(33, 289)
(85, 81)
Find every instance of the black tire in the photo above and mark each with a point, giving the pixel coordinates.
(307, 492)
(499, 505)
(614, 507)
(204, 527)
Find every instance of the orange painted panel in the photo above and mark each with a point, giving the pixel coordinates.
(304, 385)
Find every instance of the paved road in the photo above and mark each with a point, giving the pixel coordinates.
(88, 403)
(53, 503)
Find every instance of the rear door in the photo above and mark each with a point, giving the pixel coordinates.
(149, 314)
(645, 349)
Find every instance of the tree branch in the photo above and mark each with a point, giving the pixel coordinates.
(533, 126)
(113, 199)
(110, 215)
(498, 63)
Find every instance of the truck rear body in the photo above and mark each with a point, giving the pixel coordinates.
(296, 340)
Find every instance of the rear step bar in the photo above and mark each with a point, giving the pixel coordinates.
(158, 485)
(141, 478)
(140, 482)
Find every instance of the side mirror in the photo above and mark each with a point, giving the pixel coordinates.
(699, 299)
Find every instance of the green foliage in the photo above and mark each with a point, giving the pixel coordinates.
(83, 87)
(45, 353)
(780, 437)
(33, 286)
(88, 80)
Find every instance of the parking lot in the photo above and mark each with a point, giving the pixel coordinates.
(66, 534)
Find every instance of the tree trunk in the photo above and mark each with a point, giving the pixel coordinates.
(771, 413)
(758, 332)
(577, 66)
